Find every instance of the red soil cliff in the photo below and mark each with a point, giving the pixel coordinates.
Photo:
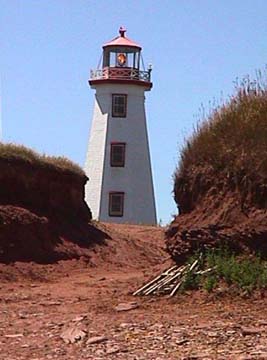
(42, 208)
(220, 184)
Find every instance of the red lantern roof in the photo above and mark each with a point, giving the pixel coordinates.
(122, 40)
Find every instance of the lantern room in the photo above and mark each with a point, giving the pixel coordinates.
(121, 52)
(122, 61)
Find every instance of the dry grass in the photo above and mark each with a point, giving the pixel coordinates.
(12, 152)
(232, 139)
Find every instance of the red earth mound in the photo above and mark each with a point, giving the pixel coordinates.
(25, 236)
(44, 219)
(215, 212)
(111, 247)
(43, 215)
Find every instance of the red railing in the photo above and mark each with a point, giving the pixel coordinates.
(120, 73)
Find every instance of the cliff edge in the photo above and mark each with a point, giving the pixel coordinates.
(42, 207)
(220, 184)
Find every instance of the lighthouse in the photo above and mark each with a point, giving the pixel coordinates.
(120, 186)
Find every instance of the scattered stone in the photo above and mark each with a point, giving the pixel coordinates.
(262, 322)
(251, 331)
(22, 316)
(212, 334)
(51, 303)
(99, 352)
(158, 326)
(126, 306)
(114, 349)
(73, 334)
(181, 342)
(126, 325)
(230, 332)
(96, 340)
(13, 336)
(79, 318)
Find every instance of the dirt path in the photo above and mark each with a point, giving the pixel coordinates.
(39, 302)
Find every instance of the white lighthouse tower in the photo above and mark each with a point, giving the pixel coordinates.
(120, 187)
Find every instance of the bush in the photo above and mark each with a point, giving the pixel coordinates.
(231, 141)
(191, 282)
(246, 273)
(210, 283)
(232, 135)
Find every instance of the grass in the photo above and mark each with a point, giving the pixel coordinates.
(243, 273)
(12, 152)
(231, 140)
(246, 273)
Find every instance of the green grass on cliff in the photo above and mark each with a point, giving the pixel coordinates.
(232, 139)
(12, 152)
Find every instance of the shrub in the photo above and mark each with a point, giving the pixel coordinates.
(210, 283)
(190, 282)
(231, 140)
(246, 273)
(214, 266)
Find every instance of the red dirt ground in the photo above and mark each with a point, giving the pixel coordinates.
(38, 302)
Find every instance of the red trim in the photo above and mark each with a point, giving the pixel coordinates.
(120, 81)
(120, 41)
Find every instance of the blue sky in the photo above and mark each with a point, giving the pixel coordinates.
(197, 47)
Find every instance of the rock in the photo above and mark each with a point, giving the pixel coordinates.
(79, 318)
(112, 349)
(96, 340)
(125, 325)
(22, 316)
(50, 303)
(262, 322)
(212, 334)
(230, 332)
(126, 306)
(128, 326)
(251, 331)
(181, 341)
(13, 336)
(73, 334)
(102, 278)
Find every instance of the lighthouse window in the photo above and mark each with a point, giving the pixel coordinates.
(119, 105)
(117, 154)
(116, 202)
